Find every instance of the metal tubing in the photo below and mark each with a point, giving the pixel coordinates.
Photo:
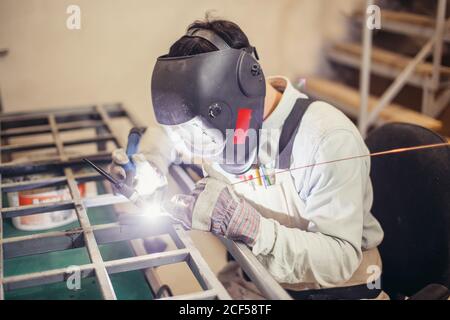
(91, 244)
(2, 296)
(204, 295)
(45, 277)
(200, 268)
(256, 271)
(398, 83)
(36, 208)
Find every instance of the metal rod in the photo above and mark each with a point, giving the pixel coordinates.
(26, 210)
(365, 75)
(204, 295)
(48, 182)
(2, 296)
(398, 83)
(91, 244)
(200, 268)
(147, 261)
(437, 57)
(137, 244)
(259, 275)
(88, 270)
(45, 277)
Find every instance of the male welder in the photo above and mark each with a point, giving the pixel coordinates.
(309, 225)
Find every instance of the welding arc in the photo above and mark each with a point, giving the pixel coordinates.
(372, 155)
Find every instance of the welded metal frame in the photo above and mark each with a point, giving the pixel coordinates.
(431, 105)
(87, 235)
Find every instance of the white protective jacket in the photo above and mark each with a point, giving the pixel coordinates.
(316, 224)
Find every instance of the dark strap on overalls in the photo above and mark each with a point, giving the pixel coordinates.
(289, 132)
(286, 144)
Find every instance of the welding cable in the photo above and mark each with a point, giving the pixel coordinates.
(371, 155)
(163, 289)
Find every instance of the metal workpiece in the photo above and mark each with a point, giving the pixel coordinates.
(62, 170)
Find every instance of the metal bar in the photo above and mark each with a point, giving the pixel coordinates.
(13, 212)
(112, 108)
(398, 83)
(71, 239)
(98, 139)
(49, 182)
(204, 295)
(376, 68)
(263, 280)
(13, 120)
(88, 270)
(137, 244)
(243, 255)
(43, 114)
(91, 244)
(441, 103)
(147, 261)
(199, 267)
(429, 107)
(45, 277)
(26, 147)
(365, 75)
(16, 168)
(2, 296)
(76, 125)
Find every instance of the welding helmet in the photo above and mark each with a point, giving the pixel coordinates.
(218, 96)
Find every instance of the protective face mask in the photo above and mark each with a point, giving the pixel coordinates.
(200, 138)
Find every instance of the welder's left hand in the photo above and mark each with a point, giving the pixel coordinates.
(213, 206)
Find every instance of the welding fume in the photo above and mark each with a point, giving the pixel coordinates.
(216, 109)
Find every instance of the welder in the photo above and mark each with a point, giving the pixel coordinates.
(312, 228)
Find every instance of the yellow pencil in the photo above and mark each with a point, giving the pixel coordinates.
(258, 176)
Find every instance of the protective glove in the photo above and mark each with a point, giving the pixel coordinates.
(146, 179)
(213, 206)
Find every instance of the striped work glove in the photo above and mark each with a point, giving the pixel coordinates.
(214, 207)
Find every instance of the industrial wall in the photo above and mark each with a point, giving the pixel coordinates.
(110, 59)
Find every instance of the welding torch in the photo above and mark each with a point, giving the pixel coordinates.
(125, 188)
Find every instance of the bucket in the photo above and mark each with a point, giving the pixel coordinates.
(48, 220)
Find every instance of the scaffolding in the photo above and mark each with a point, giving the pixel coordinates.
(432, 104)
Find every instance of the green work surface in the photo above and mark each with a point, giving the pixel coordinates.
(127, 285)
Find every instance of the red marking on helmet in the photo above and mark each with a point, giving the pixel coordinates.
(242, 124)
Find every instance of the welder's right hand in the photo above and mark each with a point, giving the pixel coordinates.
(146, 178)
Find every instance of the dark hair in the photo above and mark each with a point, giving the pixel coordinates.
(227, 30)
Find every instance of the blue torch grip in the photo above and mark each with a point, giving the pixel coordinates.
(134, 138)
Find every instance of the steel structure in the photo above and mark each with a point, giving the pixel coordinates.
(432, 104)
(62, 166)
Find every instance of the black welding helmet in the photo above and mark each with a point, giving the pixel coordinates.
(218, 96)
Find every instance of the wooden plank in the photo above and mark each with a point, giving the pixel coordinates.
(388, 58)
(349, 98)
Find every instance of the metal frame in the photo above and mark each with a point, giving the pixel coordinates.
(87, 235)
(431, 105)
(90, 236)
